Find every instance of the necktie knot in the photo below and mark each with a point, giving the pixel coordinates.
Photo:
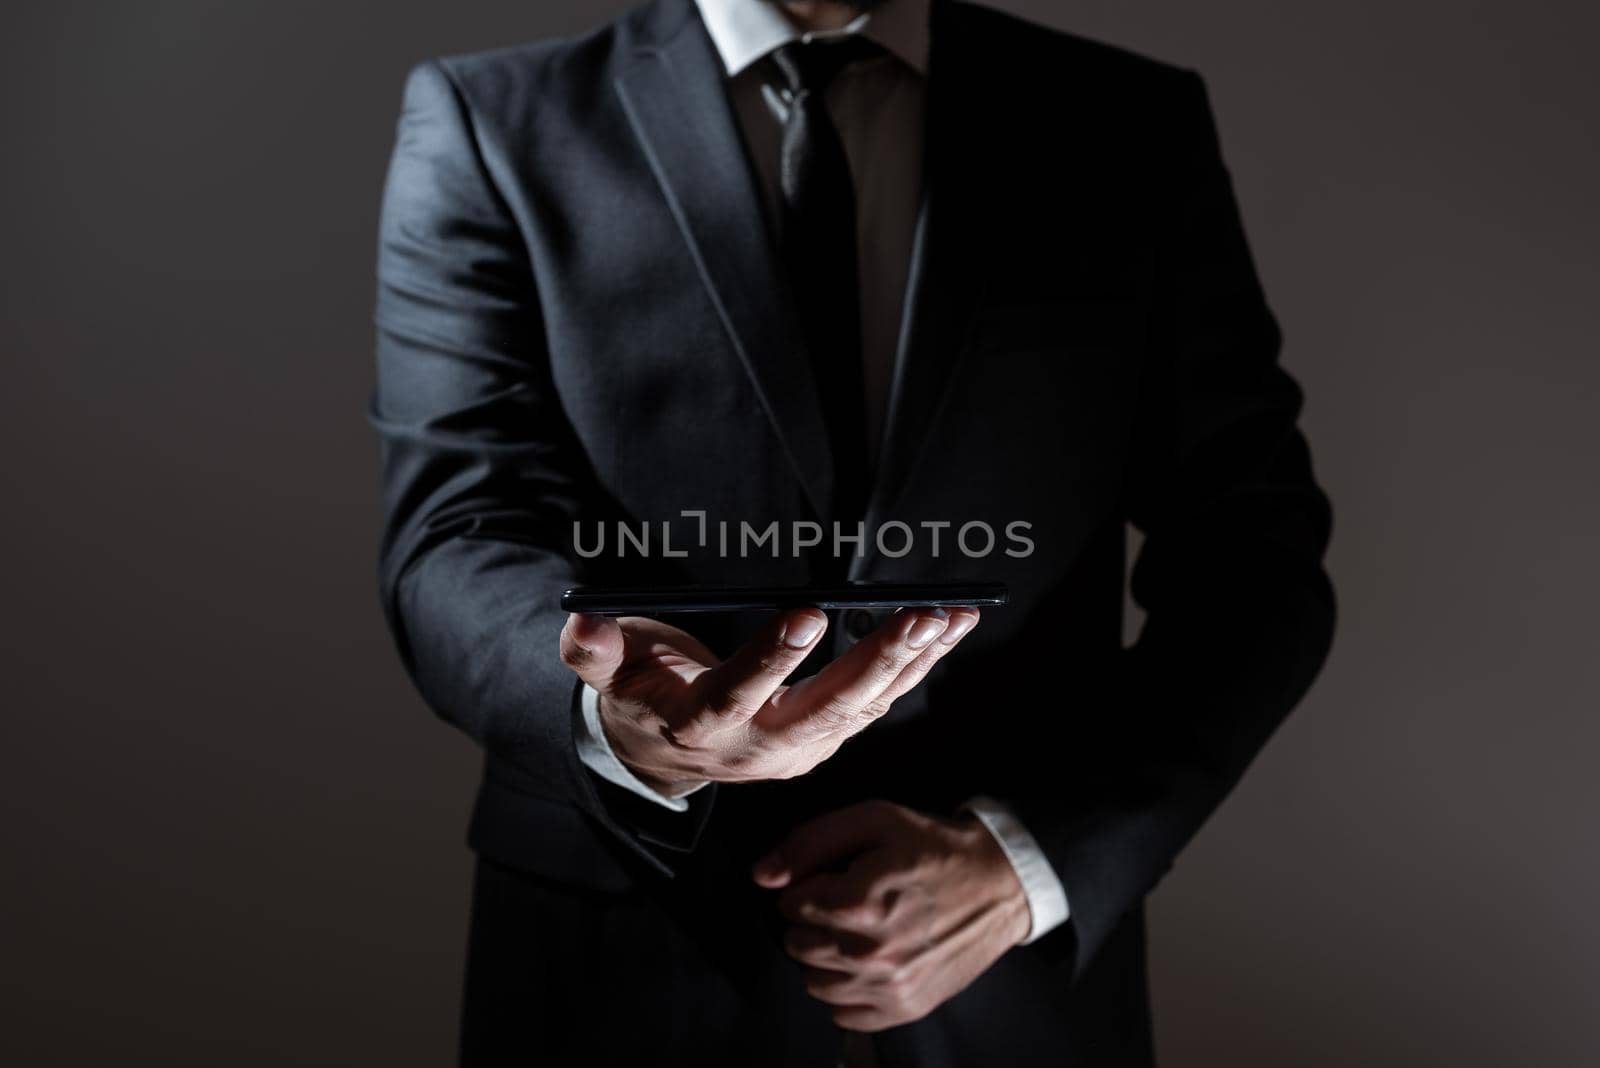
(809, 66)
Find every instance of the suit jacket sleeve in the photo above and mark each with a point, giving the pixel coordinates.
(482, 473)
(1239, 611)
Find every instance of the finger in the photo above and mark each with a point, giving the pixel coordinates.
(828, 840)
(962, 622)
(592, 646)
(739, 686)
(814, 899)
(823, 948)
(836, 903)
(836, 697)
(832, 987)
(851, 904)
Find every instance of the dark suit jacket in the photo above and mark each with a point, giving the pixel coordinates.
(581, 317)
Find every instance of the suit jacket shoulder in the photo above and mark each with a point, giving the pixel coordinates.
(1039, 61)
(517, 81)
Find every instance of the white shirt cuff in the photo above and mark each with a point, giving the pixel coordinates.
(596, 754)
(1046, 897)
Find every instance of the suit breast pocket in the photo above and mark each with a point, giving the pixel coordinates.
(1037, 419)
(1054, 381)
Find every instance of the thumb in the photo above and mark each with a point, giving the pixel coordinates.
(592, 646)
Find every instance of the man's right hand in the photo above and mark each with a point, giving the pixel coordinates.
(676, 716)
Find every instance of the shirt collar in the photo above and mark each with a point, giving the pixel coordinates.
(745, 30)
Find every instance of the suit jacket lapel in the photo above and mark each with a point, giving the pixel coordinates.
(673, 94)
(940, 286)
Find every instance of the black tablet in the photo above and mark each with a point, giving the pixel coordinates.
(647, 601)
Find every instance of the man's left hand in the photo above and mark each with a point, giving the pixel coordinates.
(893, 912)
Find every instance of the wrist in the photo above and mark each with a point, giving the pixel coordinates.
(662, 781)
(1006, 897)
(1016, 920)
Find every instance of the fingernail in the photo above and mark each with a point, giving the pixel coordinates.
(584, 626)
(802, 631)
(957, 628)
(769, 866)
(927, 627)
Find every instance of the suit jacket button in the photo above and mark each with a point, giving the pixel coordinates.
(858, 622)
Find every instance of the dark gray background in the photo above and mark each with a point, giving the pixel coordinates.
(234, 836)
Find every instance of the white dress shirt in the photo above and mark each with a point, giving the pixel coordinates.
(877, 107)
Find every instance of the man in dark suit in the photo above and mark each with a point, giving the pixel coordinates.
(869, 284)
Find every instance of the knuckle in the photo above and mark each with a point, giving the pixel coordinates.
(774, 662)
(739, 760)
(885, 667)
(901, 986)
(856, 913)
(745, 764)
(828, 722)
(809, 913)
(837, 714)
(684, 736)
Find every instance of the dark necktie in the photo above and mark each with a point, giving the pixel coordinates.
(819, 251)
